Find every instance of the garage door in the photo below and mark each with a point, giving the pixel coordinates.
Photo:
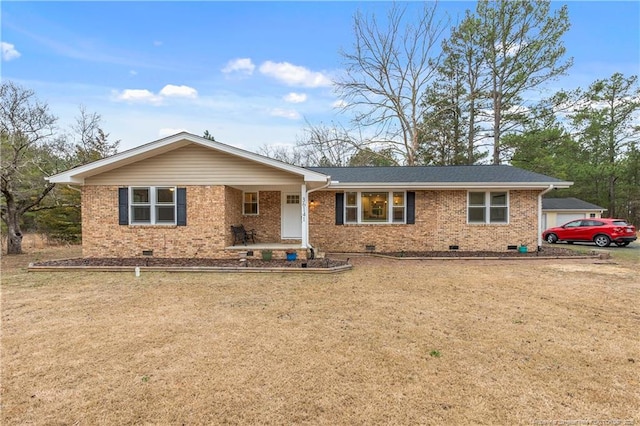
(563, 218)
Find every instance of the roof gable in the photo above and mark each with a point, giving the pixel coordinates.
(78, 174)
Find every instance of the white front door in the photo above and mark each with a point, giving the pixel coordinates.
(291, 216)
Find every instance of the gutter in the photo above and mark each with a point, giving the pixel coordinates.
(540, 215)
(326, 184)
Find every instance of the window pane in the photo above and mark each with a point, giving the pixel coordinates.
(498, 198)
(498, 215)
(374, 207)
(140, 195)
(352, 215)
(398, 214)
(476, 214)
(141, 214)
(250, 205)
(165, 195)
(398, 198)
(293, 199)
(476, 198)
(250, 208)
(352, 199)
(165, 214)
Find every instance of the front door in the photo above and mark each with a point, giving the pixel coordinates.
(291, 216)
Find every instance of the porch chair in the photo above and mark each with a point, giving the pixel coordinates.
(242, 235)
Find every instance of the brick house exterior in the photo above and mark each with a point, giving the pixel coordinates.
(179, 196)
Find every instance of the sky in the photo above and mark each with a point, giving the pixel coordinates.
(251, 73)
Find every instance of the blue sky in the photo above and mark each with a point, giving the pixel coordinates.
(249, 72)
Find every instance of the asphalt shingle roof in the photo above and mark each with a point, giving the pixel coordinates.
(568, 204)
(434, 174)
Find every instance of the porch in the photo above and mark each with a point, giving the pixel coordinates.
(278, 250)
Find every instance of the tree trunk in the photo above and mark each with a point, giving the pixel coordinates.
(14, 234)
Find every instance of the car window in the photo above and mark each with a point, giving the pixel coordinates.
(573, 224)
(620, 223)
(592, 223)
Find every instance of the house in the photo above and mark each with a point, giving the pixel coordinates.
(558, 211)
(179, 197)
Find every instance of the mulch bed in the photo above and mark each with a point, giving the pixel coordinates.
(281, 263)
(193, 262)
(544, 252)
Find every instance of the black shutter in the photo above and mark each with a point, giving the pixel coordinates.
(123, 206)
(181, 204)
(411, 208)
(339, 208)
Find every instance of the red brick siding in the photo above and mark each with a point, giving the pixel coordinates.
(441, 221)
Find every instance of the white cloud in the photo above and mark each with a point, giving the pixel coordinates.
(240, 65)
(296, 98)
(9, 51)
(133, 72)
(157, 43)
(139, 95)
(294, 75)
(166, 131)
(179, 91)
(145, 96)
(285, 113)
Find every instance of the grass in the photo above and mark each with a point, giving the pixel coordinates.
(390, 342)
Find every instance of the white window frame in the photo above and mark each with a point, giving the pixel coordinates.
(487, 207)
(390, 207)
(153, 205)
(244, 213)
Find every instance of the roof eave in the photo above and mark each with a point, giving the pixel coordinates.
(449, 185)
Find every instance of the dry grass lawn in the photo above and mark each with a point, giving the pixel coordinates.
(390, 342)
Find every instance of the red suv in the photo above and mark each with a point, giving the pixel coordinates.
(601, 231)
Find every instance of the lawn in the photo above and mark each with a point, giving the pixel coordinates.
(390, 342)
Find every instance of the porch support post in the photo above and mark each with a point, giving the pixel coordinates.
(304, 205)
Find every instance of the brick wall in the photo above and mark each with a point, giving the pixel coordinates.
(441, 221)
(203, 236)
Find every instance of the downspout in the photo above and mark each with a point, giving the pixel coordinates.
(306, 230)
(540, 215)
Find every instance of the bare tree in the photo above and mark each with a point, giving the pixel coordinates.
(90, 141)
(26, 132)
(387, 73)
(321, 145)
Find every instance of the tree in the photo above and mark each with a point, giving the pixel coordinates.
(321, 145)
(453, 103)
(522, 47)
(26, 135)
(604, 122)
(387, 73)
(373, 158)
(90, 142)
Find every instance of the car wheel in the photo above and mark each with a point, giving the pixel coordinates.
(623, 244)
(602, 240)
(551, 238)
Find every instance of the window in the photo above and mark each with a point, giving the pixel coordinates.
(374, 207)
(351, 207)
(488, 207)
(250, 203)
(153, 205)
